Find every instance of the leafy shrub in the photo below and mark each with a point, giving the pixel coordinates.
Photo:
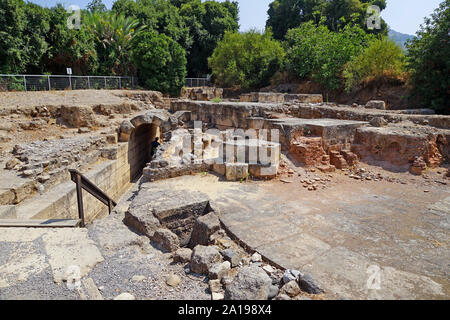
(382, 59)
(247, 60)
(160, 62)
(318, 53)
(428, 58)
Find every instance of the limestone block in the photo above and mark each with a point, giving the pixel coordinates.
(236, 171)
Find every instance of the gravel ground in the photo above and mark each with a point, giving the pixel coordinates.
(129, 254)
(37, 286)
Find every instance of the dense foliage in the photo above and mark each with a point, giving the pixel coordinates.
(163, 41)
(161, 62)
(288, 14)
(247, 60)
(428, 60)
(382, 60)
(318, 53)
(34, 39)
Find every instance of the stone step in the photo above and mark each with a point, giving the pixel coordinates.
(51, 223)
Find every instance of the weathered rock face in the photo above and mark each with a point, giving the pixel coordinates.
(307, 150)
(203, 258)
(78, 116)
(251, 283)
(166, 240)
(400, 146)
(204, 227)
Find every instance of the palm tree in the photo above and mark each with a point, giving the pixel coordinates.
(115, 34)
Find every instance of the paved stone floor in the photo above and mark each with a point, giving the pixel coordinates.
(359, 240)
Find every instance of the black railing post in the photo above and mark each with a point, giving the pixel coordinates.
(83, 183)
(80, 199)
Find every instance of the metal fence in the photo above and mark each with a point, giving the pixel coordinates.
(56, 82)
(197, 82)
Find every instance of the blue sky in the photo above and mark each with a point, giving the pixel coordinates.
(402, 15)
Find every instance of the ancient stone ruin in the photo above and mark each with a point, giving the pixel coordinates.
(275, 196)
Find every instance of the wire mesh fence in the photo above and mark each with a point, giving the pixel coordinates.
(56, 82)
(197, 82)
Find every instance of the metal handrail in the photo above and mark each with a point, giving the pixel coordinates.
(83, 183)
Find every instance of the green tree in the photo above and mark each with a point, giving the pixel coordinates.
(114, 34)
(96, 5)
(160, 62)
(288, 14)
(318, 53)
(428, 59)
(22, 36)
(158, 15)
(383, 59)
(207, 21)
(69, 47)
(247, 60)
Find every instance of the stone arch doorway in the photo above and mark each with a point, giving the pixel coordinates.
(139, 147)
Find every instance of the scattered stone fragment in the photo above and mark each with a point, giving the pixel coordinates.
(231, 256)
(419, 166)
(11, 164)
(138, 278)
(215, 285)
(268, 269)
(282, 296)
(43, 178)
(182, 255)
(256, 257)
(203, 258)
(308, 284)
(251, 283)
(173, 280)
(218, 270)
(125, 296)
(84, 130)
(166, 240)
(378, 122)
(291, 275)
(291, 288)
(273, 291)
(376, 104)
(216, 296)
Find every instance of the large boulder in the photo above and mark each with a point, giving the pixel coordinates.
(204, 227)
(251, 283)
(203, 258)
(141, 219)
